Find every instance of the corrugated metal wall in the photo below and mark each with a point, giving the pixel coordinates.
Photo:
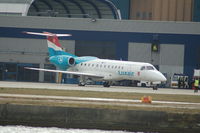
(141, 9)
(164, 10)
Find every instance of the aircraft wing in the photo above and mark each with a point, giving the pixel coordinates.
(67, 72)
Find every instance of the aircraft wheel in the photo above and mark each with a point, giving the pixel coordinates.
(81, 84)
(155, 87)
(106, 84)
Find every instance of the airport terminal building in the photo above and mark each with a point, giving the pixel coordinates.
(99, 28)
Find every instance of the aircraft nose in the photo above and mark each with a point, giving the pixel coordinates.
(162, 77)
(158, 76)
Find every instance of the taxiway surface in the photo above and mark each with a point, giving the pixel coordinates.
(100, 88)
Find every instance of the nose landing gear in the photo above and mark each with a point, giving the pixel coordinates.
(154, 86)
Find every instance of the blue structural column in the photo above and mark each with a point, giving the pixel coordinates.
(192, 55)
(123, 6)
(122, 50)
(196, 11)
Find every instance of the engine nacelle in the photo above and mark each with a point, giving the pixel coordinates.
(62, 61)
(71, 61)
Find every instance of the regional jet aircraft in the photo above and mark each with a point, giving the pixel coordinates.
(97, 69)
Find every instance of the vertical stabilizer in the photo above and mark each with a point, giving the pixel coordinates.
(54, 47)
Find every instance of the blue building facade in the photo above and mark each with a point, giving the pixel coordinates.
(121, 40)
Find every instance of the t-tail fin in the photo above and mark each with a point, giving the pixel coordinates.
(54, 46)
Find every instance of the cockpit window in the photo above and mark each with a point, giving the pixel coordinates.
(142, 68)
(150, 68)
(147, 68)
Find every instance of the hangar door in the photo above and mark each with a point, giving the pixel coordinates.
(172, 58)
(139, 52)
(169, 59)
(105, 50)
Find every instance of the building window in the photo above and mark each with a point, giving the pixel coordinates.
(144, 15)
(138, 15)
(150, 15)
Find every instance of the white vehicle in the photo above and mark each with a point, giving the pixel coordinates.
(94, 68)
(196, 73)
(179, 81)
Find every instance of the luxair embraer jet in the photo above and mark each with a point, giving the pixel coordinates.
(97, 69)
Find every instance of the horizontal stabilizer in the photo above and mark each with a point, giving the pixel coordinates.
(47, 34)
(67, 72)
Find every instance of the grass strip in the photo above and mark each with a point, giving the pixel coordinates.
(95, 94)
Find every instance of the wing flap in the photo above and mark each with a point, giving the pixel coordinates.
(66, 72)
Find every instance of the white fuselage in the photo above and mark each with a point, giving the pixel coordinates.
(113, 70)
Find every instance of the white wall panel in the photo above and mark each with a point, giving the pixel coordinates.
(13, 8)
(35, 50)
(172, 54)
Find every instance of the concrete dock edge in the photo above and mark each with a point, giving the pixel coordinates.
(89, 118)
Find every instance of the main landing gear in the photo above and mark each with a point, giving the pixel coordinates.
(82, 81)
(106, 84)
(81, 84)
